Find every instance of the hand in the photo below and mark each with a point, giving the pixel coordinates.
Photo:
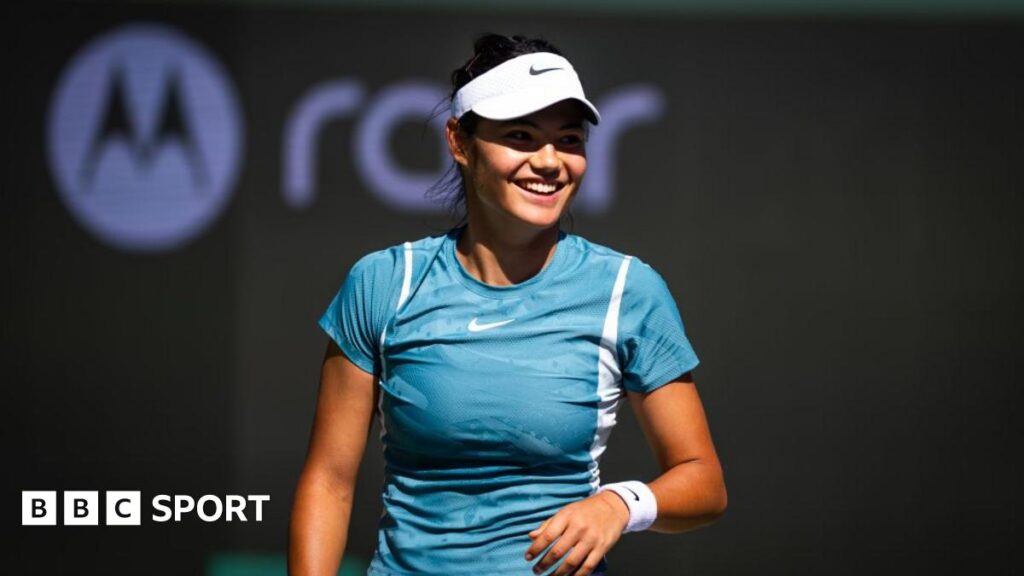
(584, 530)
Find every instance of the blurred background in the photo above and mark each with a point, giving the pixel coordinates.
(831, 189)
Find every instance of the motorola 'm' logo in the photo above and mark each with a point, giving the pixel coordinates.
(145, 138)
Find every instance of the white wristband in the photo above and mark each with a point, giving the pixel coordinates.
(643, 508)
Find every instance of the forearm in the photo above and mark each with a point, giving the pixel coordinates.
(319, 524)
(689, 495)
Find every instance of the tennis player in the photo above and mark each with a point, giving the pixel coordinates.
(496, 356)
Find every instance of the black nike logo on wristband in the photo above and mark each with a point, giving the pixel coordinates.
(534, 71)
(633, 493)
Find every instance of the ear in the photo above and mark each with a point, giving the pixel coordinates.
(456, 142)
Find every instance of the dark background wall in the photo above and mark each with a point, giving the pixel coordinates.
(834, 203)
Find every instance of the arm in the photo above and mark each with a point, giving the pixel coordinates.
(690, 491)
(323, 498)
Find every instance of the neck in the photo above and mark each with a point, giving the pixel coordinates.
(502, 258)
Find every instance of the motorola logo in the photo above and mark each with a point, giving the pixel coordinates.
(145, 138)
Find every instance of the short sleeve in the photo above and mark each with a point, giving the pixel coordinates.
(356, 317)
(652, 344)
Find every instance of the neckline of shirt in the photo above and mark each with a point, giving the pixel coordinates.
(490, 290)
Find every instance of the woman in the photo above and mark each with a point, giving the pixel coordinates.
(496, 356)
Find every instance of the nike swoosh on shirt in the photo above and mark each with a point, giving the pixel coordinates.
(476, 327)
(534, 71)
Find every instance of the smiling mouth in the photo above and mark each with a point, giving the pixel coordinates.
(542, 188)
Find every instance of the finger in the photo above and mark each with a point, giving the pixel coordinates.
(553, 529)
(569, 539)
(574, 559)
(590, 564)
(538, 529)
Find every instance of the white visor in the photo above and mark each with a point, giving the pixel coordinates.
(521, 86)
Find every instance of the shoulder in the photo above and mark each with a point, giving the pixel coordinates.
(644, 278)
(391, 261)
(639, 275)
(592, 250)
(592, 261)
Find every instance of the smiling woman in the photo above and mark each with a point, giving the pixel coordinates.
(496, 357)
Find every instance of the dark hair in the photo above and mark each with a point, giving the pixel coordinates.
(489, 51)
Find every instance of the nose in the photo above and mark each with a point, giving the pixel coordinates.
(545, 159)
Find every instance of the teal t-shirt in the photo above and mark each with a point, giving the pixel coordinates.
(497, 402)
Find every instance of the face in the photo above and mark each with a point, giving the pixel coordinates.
(522, 172)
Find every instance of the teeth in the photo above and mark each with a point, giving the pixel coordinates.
(539, 187)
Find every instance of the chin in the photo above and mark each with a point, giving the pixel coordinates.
(541, 221)
(540, 217)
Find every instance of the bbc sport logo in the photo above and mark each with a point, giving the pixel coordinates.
(124, 508)
(144, 138)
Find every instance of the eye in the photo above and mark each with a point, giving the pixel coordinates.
(518, 135)
(571, 140)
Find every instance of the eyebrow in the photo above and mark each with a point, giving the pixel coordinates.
(524, 121)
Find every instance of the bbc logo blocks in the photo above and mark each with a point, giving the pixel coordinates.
(81, 508)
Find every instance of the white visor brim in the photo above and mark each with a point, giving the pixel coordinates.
(522, 86)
